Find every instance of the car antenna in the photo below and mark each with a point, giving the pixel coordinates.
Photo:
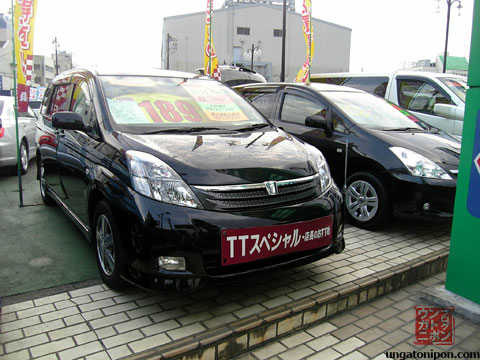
(344, 189)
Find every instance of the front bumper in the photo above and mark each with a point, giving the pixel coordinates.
(425, 197)
(154, 229)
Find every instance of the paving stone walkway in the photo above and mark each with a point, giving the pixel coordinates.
(385, 325)
(98, 323)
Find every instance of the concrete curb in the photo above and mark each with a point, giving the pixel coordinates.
(244, 335)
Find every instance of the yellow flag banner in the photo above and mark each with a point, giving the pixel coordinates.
(25, 11)
(304, 73)
(211, 61)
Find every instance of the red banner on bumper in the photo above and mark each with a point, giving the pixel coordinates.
(250, 244)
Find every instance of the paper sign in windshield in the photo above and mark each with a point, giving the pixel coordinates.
(215, 103)
(126, 111)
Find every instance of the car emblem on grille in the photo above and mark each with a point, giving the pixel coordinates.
(271, 187)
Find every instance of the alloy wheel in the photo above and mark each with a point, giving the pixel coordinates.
(362, 201)
(24, 157)
(105, 245)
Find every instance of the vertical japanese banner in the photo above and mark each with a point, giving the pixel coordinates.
(25, 11)
(304, 73)
(211, 61)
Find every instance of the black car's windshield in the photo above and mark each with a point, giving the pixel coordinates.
(370, 111)
(144, 104)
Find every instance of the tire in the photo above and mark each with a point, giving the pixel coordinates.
(47, 200)
(23, 157)
(367, 201)
(108, 247)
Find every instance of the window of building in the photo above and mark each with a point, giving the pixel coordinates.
(243, 31)
(36, 66)
(49, 68)
(38, 80)
(277, 32)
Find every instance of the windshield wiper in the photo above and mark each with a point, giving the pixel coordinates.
(404, 129)
(253, 127)
(185, 130)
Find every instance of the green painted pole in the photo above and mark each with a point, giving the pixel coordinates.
(15, 107)
(463, 262)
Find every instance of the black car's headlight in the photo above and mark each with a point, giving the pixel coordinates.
(318, 160)
(419, 165)
(154, 178)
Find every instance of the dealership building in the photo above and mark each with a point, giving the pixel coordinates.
(240, 25)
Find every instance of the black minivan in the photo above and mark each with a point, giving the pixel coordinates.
(175, 177)
(394, 167)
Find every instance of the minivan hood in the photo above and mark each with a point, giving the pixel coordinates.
(434, 147)
(227, 159)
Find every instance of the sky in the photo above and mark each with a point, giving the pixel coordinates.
(386, 34)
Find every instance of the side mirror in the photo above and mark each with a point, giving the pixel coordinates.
(67, 120)
(317, 121)
(448, 111)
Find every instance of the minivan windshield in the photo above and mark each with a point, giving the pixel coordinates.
(457, 85)
(370, 111)
(150, 104)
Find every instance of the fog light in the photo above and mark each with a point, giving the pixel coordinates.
(426, 207)
(171, 263)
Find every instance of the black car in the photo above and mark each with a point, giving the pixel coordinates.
(394, 166)
(175, 177)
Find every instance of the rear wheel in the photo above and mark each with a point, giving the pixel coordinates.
(368, 204)
(110, 257)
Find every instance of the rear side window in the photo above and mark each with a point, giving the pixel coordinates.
(263, 101)
(376, 85)
(418, 95)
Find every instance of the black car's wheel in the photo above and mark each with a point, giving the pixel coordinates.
(23, 157)
(368, 204)
(110, 257)
(47, 200)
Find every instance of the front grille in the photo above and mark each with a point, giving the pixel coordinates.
(256, 195)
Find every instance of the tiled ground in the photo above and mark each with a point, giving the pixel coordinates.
(97, 323)
(367, 332)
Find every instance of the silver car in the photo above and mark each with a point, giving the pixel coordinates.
(26, 135)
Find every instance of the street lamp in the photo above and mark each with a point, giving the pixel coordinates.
(449, 4)
(250, 53)
(55, 42)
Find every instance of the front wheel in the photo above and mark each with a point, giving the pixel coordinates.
(47, 200)
(23, 157)
(110, 257)
(368, 204)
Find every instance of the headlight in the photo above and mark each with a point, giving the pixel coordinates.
(318, 160)
(154, 178)
(419, 165)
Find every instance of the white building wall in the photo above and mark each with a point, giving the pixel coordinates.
(332, 42)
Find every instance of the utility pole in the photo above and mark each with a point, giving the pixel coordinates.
(55, 42)
(284, 32)
(449, 5)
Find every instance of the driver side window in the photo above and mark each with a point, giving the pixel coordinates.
(418, 95)
(296, 108)
(83, 105)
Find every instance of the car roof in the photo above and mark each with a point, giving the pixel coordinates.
(314, 86)
(129, 71)
(429, 74)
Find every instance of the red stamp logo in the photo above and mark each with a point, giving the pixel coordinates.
(434, 325)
